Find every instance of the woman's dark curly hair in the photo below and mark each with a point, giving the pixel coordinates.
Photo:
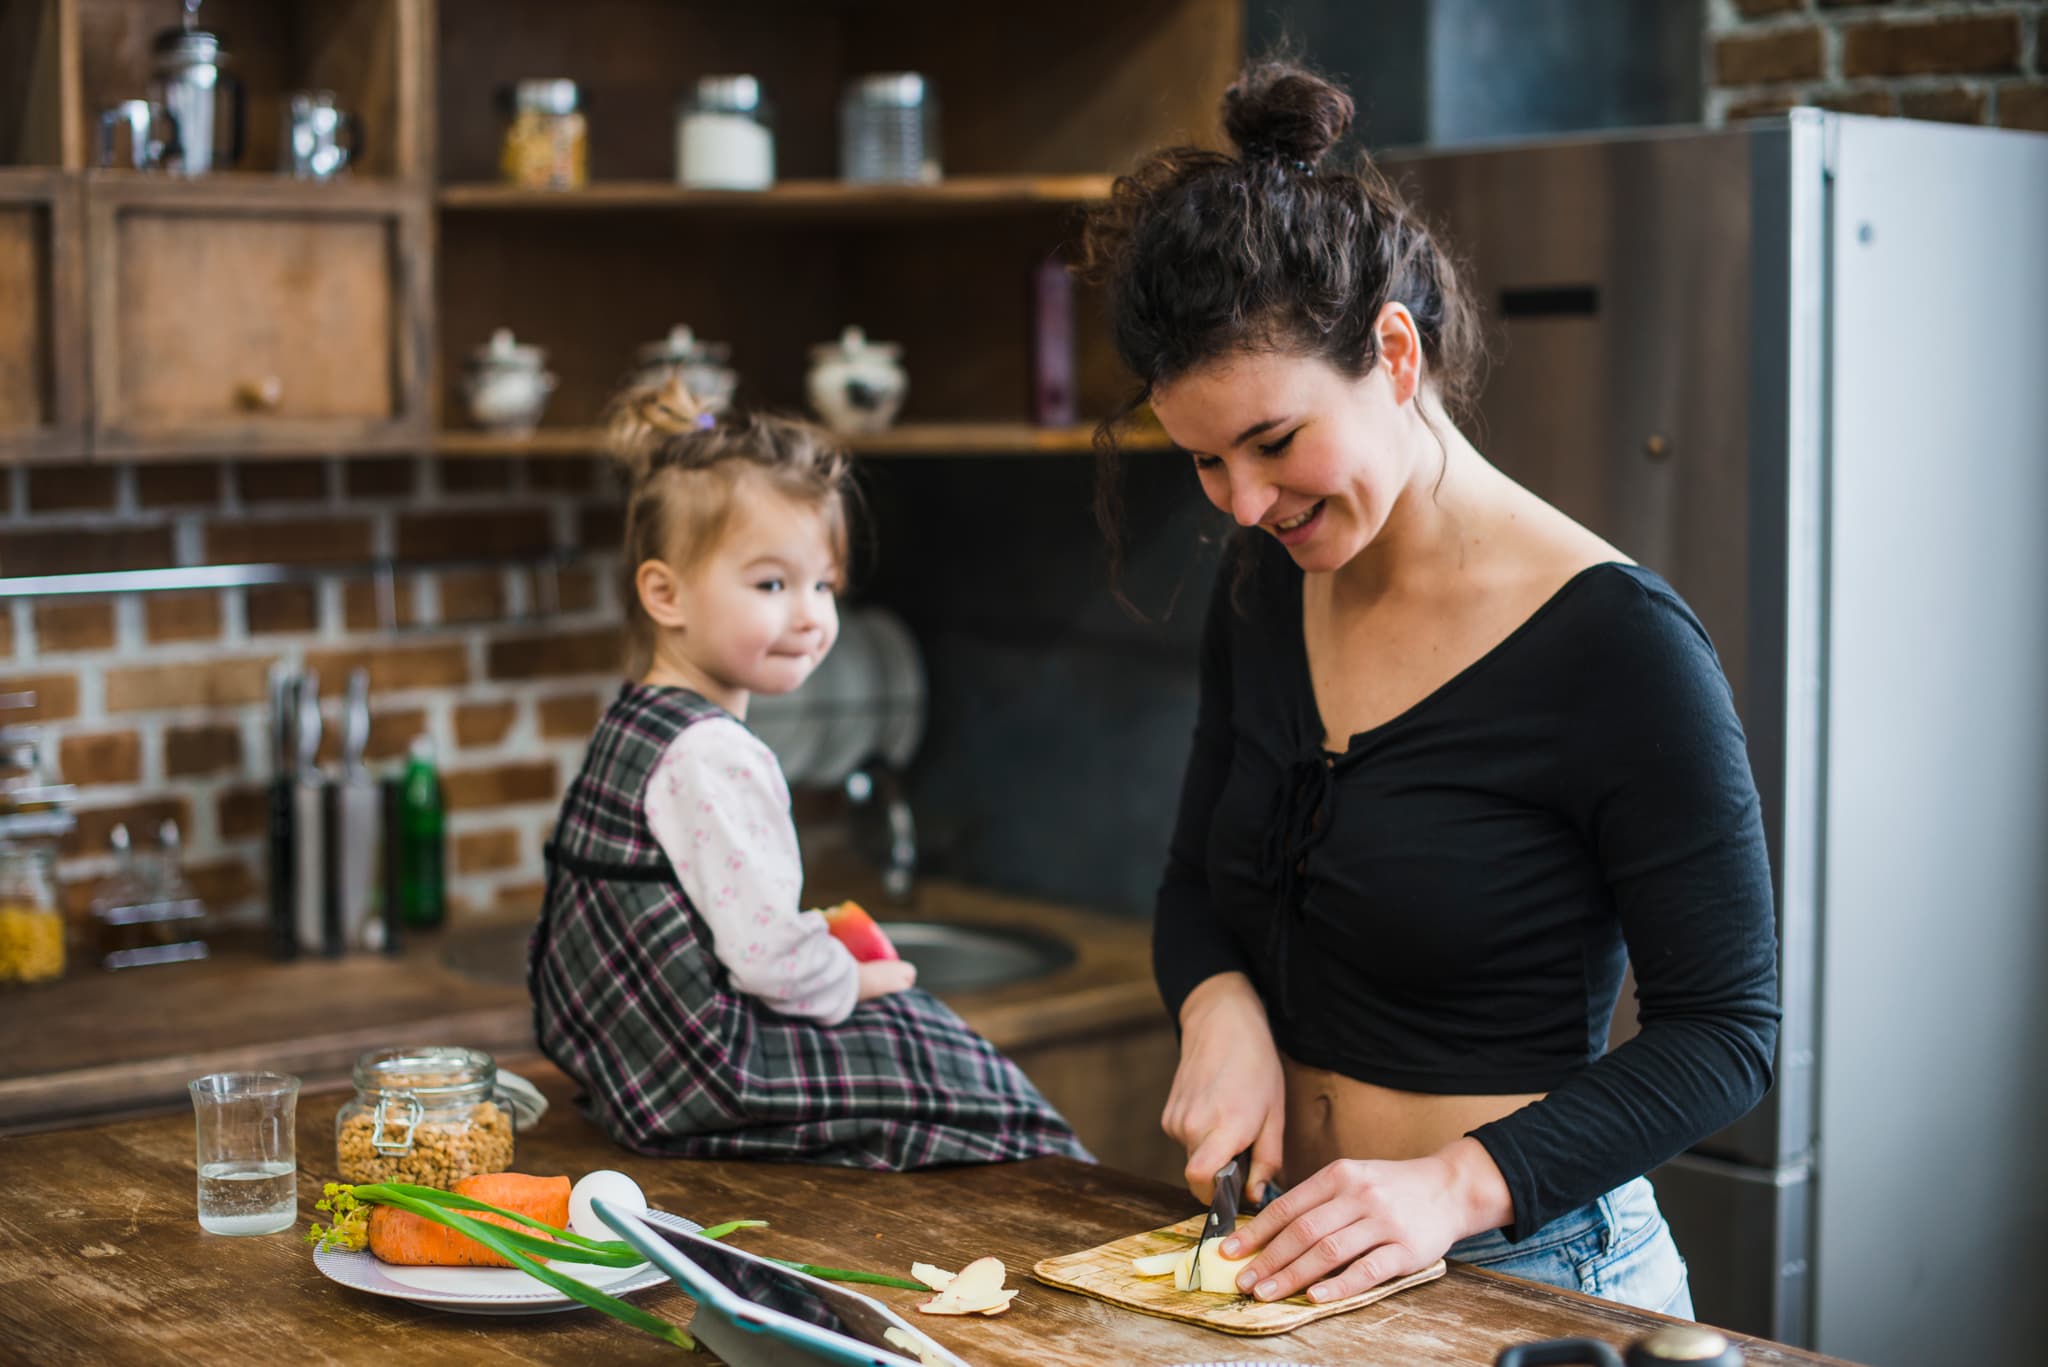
(1203, 254)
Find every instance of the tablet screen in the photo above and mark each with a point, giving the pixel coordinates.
(767, 1285)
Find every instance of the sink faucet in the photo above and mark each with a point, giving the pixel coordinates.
(880, 783)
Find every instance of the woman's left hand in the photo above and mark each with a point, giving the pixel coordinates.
(1360, 1222)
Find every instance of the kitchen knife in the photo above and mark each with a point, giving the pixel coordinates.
(1222, 1219)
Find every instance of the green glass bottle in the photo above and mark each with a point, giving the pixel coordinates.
(421, 844)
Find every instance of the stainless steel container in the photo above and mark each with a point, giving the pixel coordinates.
(889, 130)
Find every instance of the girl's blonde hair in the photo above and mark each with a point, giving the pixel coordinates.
(683, 466)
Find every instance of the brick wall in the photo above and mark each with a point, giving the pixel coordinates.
(157, 702)
(1959, 61)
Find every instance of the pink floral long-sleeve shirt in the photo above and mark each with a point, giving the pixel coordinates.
(719, 808)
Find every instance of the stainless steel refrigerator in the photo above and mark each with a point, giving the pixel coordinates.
(1800, 368)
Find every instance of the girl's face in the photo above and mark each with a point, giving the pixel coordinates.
(1294, 447)
(759, 612)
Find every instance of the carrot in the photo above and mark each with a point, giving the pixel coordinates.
(408, 1240)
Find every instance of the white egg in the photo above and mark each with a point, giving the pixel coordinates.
(615, 1189)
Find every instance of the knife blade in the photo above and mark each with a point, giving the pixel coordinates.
(1221, 1221)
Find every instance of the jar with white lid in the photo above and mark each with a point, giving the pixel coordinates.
(725, 136)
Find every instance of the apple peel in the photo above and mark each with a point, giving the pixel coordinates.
(899, 1338)
(977, 1289)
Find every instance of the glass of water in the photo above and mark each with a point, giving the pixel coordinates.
(248, 1175)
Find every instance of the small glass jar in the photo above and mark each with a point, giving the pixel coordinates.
(31, 922)
(430, 1116)
(889, 130)
(725, 137)
(547, 142)
(700, 365)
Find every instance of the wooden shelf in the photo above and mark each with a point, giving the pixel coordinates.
(910, 439)
(819, 199)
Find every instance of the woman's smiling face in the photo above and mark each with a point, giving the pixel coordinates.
(1293, 446)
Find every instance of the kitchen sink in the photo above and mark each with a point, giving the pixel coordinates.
(949, 957)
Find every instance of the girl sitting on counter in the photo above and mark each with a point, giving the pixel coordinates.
(673, 973)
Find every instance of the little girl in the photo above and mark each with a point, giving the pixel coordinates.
(673, 974)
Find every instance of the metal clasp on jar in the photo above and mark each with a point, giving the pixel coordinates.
(394, 1147)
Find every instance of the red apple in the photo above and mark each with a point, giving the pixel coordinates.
(854, 928)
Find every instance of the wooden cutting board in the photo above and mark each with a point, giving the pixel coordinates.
(1104, 1272)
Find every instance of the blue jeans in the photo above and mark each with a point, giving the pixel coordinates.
(1618, 1248)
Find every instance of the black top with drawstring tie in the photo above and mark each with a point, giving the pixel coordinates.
(1446, 903)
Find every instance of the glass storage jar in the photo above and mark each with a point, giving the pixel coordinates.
(547, 142)
(429, 1115)
(31, 923)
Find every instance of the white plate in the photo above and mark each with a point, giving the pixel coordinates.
(488, 1290)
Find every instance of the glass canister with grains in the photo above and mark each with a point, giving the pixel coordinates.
(430, 1115)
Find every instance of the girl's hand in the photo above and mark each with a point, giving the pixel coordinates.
(1228, 1093)
(1360, 1222)
(884, 976)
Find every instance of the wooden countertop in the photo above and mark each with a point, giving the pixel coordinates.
(101, 1044)
(104, 1261)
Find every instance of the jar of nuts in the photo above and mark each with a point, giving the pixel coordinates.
(429, 1116)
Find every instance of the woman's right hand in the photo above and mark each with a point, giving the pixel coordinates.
(1229, 1093)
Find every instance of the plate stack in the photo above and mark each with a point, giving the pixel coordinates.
(865, 702)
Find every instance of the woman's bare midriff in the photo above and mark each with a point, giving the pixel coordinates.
(1331, 1116)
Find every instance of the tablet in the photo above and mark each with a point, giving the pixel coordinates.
(757, 1313)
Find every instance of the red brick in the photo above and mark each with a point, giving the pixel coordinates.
(1950, 104)
(243, 812)
(65, 624)
(96, 825)
(181, 616)
(209, 683)
(56, 697)
(178, 483)
(83, 551)
(569, 716)
(519, 899)
(1961, 43)
(473, 596)
(500, 785)
(1848, 4)
(380, 477)
(599, 651)
(360, 609)
(577, 589)
(190, 750)
(1769, 106)
(485, 851)
(390, 734)
(6, 625)
(275, 608)
(483, 723)
(395, 667)
(297, 541)
(1757, 9)
(1858, 102)
(478, 474)
(104, 757)
(70, 488)
(479, 536)
(2024, 105)
(282, 481)
(602, 527)
(1773, 55)
(224, 884)
(562, 475)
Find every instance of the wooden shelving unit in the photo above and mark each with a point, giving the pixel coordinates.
(827, 200)
(907, 439)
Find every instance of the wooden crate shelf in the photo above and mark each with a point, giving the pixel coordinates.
(833, 200)
(909, 439)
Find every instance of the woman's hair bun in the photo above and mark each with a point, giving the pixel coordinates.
(1281, 111)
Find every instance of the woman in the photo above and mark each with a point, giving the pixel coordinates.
(1457, 761)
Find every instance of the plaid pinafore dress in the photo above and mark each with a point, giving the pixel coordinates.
(629, 1000)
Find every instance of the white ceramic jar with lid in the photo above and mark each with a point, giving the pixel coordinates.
(699, 364)
(856, 385)
(507, 384)
(725, 139)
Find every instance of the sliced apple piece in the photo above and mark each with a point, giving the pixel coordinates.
(977, 1288)
(899, 1338)
(937, 1278)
